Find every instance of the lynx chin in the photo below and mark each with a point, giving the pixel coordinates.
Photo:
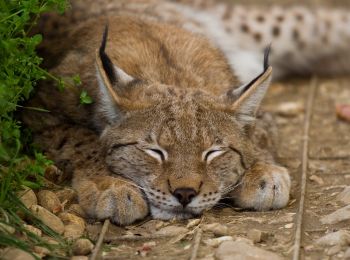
(174, 126)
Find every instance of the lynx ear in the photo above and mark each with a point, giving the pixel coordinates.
(115, 85)
(248, 97)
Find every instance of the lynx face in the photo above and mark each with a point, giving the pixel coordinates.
(184, 148)
(183, 155)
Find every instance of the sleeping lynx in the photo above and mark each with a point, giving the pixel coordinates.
(176, 116)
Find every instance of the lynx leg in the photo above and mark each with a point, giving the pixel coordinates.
(264, 187)
(114, 198)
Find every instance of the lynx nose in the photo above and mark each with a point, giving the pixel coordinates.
(185, 195)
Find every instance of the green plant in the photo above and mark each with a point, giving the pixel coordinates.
(19, 73)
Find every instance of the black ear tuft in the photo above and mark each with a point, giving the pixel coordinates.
(266, 66)
(266, 56)
(106, 62)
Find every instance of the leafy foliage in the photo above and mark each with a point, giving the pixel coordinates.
(19, 73)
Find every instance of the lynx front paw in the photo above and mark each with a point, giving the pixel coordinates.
(263, 187)
(111, 198)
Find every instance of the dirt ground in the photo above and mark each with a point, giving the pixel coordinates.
(327, 173)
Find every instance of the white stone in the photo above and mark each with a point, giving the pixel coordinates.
(217, 229)
(340, 237)
(344, 196)
(171, 230)
(237, 250)
(337, 216)
(217, 241)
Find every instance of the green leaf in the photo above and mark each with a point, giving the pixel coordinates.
(85, 99)
(76, 80)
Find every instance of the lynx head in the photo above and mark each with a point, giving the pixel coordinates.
(184, 147)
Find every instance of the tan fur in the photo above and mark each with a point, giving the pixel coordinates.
(180, 102)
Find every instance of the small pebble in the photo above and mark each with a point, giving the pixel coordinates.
(340, 237)
(186, 247)
(171, 230)
(66, 195)
(217, 241)
(343, 112)
(289, 225)
(217, 229)
(7, 228)
(82, 246)
(48, 218)
(15, 254)
(347, 253)
(49, 201)
(28, 197)
(193, 222)
(316, 179)
(159, 224)
(41, 251)
(290, 109)
(337, 216)
(76, 209)
(53, 174)
(74, 225)
(50, 240)
(257, 236)
(230, 250)
(33, 229)
(334, 250)
(344, 196)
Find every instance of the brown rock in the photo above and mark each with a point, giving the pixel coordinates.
(344, 196)
(55, 175)
(347, 254)
(337, 216)
(172, 230)
(217, 229)
(7, 228)
(73, 231)
(235, 250)
(290, 109)
(74, 225)
(193, 222)
(50, 240)
(257, 236)
(77, 210)
(28, 197)
(48, 218)
(41, 251)
(49, 201)
(82, 246)
(215, 242)
(316, 179)
(69, 218)
(334, 250)
(67, 196)
(343, 112)
(33, 229)
(15, 254)
(340, 237)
